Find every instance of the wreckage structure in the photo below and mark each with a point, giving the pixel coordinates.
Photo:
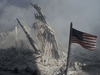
(41, 54)
(46, 55)
(45, 36)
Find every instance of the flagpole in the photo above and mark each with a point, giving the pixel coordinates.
(70, 36)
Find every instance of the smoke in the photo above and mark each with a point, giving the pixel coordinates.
(59, 14)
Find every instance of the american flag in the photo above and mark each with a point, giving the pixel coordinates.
(86, 40)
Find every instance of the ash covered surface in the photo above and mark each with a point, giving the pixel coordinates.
(23, 61)
(17, 57)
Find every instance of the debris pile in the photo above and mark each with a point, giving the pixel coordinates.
(21, 55)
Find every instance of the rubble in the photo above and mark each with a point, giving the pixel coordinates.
(50, 61)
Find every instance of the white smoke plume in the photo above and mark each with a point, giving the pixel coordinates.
(59, 14)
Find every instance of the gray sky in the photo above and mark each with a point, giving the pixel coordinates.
(85, 15)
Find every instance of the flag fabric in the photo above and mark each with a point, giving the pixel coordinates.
(86, 40)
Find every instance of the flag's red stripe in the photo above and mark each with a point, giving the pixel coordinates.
(84, 38)
(74, 38)
(84, 46)
(92, 49)
(74, 41)
(83, 43)
(87, 44)
(89, 38)
(89, 48)
(89, 41)
(89, 35)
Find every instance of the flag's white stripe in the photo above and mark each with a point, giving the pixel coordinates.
(89, 37)
(86, 39)
(94, 40)
(89, 42)
(93, 45)
(91, 48)
(85, 43)
(89, 34)
(89, 45)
